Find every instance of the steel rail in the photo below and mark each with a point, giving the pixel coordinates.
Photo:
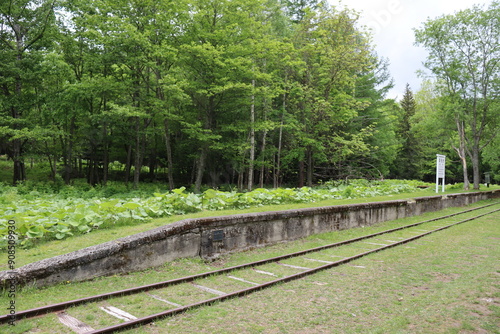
(172, 312)
(30, 313)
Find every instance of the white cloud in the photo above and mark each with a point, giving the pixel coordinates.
(392, 23)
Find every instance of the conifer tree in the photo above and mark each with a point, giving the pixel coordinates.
(409, 151)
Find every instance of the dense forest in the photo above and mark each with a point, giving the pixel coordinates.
(244, 92)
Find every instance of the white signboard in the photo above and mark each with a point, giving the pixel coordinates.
(441, 159)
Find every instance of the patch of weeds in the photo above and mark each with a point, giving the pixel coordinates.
(18, 328)
(467, 326)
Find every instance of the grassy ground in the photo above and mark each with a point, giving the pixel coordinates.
(447, 282)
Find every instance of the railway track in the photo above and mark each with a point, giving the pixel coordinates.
(219, 285)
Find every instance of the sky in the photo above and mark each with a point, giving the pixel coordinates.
(392, 23)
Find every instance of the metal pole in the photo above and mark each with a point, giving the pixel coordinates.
(437, 173)
(443, 171)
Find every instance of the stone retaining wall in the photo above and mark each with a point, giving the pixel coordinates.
(211, 237)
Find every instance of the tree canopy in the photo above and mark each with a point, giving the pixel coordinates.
(245, 92)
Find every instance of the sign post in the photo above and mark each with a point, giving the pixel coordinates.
(487, 178)
(441, 159)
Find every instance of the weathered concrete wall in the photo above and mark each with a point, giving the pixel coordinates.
(211, 237)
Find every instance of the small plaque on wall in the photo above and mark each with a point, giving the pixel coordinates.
(218, 235)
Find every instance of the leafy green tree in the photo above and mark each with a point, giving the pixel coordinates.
(464, 53)
(55, 114)
(377, 118)
(298, 9)
(333, 53)
(25, 27)
(219, 57)
(126, 60)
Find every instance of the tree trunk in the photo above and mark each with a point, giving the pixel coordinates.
(52, 162)
(262, 168)
(19, 167)
(461, 151)
(152, 165)
(310, 167)
(140, 146)
(17, 158)
(106, 145)
(476, 173)
(105, 166)
(79, 165)
(277, 174)
(68, 167)
(263, 148)
(137, 164)
(166, 135)
(252, 142)
(301, 173)
(200, 169)
(52, 169)
(209, 124)
(93, 173)
(128, 164)
(170, 163)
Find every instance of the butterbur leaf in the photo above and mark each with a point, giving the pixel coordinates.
(62, 235)
(84, 228)
(209, 194)
(179, 190)
(131, 205)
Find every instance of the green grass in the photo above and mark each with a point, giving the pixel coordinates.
(443, 283)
